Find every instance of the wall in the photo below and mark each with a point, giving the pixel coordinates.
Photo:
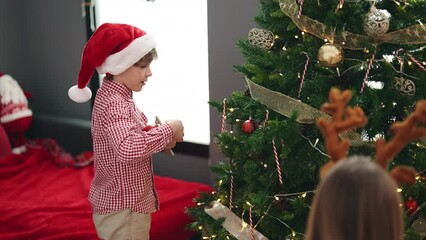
(13, 40)
(41, 47)
(229, 21)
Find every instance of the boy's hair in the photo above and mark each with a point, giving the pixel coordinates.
(357, 200)
(148, 58)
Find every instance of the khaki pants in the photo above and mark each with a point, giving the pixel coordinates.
(123, 225)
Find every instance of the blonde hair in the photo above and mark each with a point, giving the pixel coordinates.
(357, 200)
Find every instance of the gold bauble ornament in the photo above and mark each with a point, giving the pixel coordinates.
(261, 37)
(330, 55)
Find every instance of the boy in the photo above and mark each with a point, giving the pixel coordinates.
(122, 192)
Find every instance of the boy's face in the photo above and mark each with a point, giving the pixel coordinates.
(135, 77)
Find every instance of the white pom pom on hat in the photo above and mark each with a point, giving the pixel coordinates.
(80, 95)
(112, 48)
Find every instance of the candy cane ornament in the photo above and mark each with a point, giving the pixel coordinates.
(303, 75)
(410, 56)
(340, 5)
(266, 118)
(231, 190)
(277, 162)
(370, 64)
(251, 224)
(300, 9)
(224, 115)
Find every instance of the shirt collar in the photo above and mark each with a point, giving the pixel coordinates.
(118, 88)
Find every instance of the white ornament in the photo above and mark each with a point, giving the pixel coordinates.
(376, 22)
(261, 37)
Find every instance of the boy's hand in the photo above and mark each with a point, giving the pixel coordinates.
(177, 128)
(170, 146)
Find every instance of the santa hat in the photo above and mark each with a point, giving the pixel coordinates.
(10, 91)
(13, 102)
(112, 49)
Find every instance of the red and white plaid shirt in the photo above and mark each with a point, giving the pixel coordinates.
(123, 153)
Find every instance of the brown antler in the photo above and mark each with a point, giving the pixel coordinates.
(403, 133)
(340, 122)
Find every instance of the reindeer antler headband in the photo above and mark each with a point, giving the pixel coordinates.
(346, 118)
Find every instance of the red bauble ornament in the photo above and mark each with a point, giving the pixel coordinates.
(148, 127)
(411, 205)
(248, 127)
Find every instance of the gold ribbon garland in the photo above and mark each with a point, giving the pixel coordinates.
(415, 34)
(232, 223)
(286, 106)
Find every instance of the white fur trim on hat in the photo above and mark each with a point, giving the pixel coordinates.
(79, 95)
(119, 62)
(17, 115)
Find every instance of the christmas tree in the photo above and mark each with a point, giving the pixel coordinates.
(274, 150)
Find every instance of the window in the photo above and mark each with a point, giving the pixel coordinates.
(178, 88)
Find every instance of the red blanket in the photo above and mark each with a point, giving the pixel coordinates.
(39, 200)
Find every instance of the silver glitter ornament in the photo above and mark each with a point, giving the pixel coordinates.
(376, 22)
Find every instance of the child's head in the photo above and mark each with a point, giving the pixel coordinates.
(111, 50)
(136, 76)
(357, 200)
(145, 60)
